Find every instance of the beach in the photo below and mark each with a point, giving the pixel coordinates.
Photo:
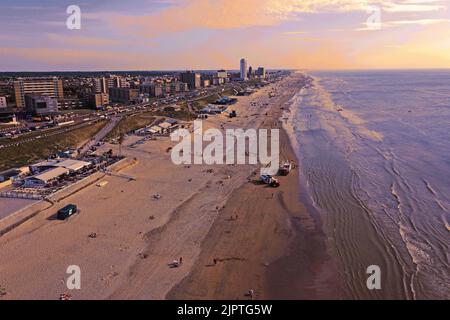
(274, 247)
(262, 238)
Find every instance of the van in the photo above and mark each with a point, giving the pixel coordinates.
(66, 212)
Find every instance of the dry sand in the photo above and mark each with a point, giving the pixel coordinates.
(274, 246)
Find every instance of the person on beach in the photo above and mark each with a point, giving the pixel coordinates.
(181, 260)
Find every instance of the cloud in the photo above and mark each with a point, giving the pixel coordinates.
(412, 6)
(82, 41)
(203, 14)
(267, 32)
(419, 22)
(399, 23)
(295, 32)
(184, 15)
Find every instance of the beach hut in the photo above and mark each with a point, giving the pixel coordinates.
(9, 174)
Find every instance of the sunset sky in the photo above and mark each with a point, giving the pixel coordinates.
(211, 34)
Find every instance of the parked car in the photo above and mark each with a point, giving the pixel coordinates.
(271, 181)
(66, 212)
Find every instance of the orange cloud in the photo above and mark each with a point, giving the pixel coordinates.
(226, 14)
(419, 42)
(200, 14)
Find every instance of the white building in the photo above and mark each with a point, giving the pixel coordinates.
(71, 165)
(243, 69)
(45, 178)
(222, 74)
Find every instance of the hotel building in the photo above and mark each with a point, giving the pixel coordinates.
(50, 87)
(192, 79)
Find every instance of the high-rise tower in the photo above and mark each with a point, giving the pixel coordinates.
(243, 69)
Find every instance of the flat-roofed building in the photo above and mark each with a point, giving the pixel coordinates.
(222, 74)
(123, 95)
(206, 83)
(41, 105)
(114, 82)
(70, 164)
(104, 84)
(192, 78)
(71, 103)
(50, 87)
(178, 86)
(153, 89)
(73, 165)
(99, 100)
(9, 174)
(45, 178)
(100, 85)
(261, 72)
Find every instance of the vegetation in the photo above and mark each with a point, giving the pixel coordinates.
(203, 102)
(78, 111)
(130, 124)
(28, 152)
(31, 135)
(182, 114)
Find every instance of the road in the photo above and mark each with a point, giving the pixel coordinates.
(101, 134)
(45, 134)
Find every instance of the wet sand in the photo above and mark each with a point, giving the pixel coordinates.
(274, 246)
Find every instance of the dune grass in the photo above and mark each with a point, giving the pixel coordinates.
(28, 152)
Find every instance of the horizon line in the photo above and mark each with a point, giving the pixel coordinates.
(236, 70)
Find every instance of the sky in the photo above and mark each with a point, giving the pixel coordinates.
(214, 34)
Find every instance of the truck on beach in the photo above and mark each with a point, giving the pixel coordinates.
(285, 168)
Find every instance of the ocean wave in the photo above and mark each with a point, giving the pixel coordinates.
(409, 217)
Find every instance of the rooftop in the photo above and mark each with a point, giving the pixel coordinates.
(50, 174)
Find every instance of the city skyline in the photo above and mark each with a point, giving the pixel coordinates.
(176, 35)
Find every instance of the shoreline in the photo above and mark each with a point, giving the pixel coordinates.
(291, 263)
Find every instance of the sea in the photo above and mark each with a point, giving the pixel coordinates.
(374, 158)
